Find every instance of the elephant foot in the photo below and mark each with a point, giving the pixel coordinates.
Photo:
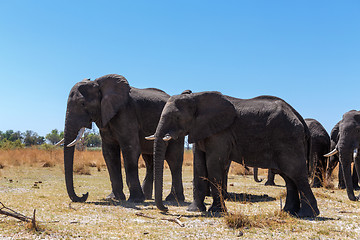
(173, 198)
(218, 207)
(356, 187)
(308, 212)
(137, 198)
(270, 183)
(292, 209)
(118, 196)
(147, 189)
(147, 194)
(194, 208)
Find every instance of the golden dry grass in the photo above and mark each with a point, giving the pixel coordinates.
(25, 185)
(35, 157)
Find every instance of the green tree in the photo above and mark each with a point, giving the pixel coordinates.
(11, 135)
(54, 136)
(32, 138)
(92, 139)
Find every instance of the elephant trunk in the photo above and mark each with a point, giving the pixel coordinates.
(70, 133)
(357, 163)
(345, 158)
(159, 153)
(256, 170)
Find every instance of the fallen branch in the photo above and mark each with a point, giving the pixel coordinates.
(175, 220)
(11, 213)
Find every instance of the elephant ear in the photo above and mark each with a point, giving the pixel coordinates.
(214, 113)
(334, 135)
(89, 89)
(115, 91)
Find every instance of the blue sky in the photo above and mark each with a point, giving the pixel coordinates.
(306, 52)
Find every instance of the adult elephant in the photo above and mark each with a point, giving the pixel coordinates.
(261, 132)
(320, 145)
(334, 160)
(124, 116)
(345, 138)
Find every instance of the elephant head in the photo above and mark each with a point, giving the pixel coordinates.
(198, 115)
(347, 147)
(90, 101)
(334, 159)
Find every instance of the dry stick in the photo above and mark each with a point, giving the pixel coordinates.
(33, 222)
(11, 213)
(175, 220)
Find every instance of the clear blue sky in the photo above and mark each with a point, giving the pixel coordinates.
(306, 52)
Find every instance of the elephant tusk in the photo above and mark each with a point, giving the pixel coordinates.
(167, 137)
(150, 138)
(355, 153)
(60, 142)
(333, 152)
(78, 137)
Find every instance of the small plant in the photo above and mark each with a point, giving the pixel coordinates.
(82, 169)
(274, 219)
(238, 220)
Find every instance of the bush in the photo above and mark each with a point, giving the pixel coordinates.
(6, 144)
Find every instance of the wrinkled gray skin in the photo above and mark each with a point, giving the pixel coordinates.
(333, 161)
(345, 137)
(320, 145)
(261, 132)
(124, 115)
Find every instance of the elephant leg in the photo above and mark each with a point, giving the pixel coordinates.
(131, 154)
(200, 183)
(217, 169)
(297, 175)
(355, 179)
(271, 178)
(341, 177)
(292, 203)
(112, 158)
(308, 203)
(148, 183)
(225, 193)
(174, 157)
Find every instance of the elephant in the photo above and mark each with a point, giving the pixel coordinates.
(345, 142)
(261, 132)
(124, 116)
(317, 163)
(332, 163)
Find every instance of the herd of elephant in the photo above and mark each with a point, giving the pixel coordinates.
(262, 132)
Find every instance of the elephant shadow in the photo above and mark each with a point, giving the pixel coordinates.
(135, 206)
(245, 197)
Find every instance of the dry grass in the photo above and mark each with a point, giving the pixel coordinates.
(265, 220)
(26, 185)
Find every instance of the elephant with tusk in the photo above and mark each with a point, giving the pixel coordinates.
(261, 132)
(124, 116)
(345, 144)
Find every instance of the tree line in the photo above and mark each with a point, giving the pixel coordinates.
(15, 139)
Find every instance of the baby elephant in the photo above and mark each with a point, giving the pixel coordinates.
(261, 132)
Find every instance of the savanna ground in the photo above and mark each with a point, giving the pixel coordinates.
(34, 179)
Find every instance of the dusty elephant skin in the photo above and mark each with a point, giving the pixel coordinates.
(320, 145)
(261, 132)
(345, 143)
(124, 115)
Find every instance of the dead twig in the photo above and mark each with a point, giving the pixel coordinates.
(11, 213)
(175, 220)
